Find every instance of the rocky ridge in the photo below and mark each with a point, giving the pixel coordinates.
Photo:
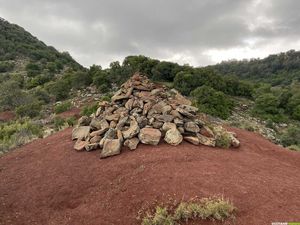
(144, 112)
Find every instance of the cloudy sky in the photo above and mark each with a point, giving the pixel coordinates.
(197, 32)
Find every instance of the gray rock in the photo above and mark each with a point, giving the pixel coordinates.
(133, 129)
(191, 127)
(178, 122)
(99, 124)
(167, 126)
(132, 143)
(149, 136)
(192, 139)
(81, 133)
(95, 139)
(165, 118)
(206, 141)
(91, 146)
(111, 147)
(189, 108)
(80, 145)
(185, 113)
(122, 122)
(157, 124)
(84, 121)
(173, 137)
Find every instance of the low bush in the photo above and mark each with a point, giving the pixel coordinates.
(212, 102)
(88, 110)
(71, 121)
(223, 141)
(294, 148)
(31, 110)
(17, 133)
(291, 136)
(105, 98)
(58, 123)
(206, 208)
(65, 106)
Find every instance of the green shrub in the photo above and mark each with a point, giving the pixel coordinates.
(16, 133)
(71, 121)
(291, 136)
(65, 106)
(105, 98)
(58, 123)
(31, 110)
(6, 66)
(223, 140)
(88, 110)
(294, 148)
(160, 217)
(212, 102)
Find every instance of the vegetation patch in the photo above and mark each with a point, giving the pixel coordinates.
(17, 133)
(223, 140)
(88, 110)
(216, 208)
(63, 107)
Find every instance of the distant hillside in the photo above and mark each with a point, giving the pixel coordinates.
(33, 74)
(276, 69)
(16, 45)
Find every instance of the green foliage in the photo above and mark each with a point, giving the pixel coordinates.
(291, 136)
(296, 113)
(16, 133)
(6, 66)
(223, 141)
(29, 110)
(88, 110)
(41, 95)
(65, 106)
(212, 102)
(58, 123)
(280, 69)
(106, 98)
(80, 80)
(165, 71)
(101, 79)
(71, 121)
(59, 89)
(267, 103)
(33, 69)
(160, 217)
(187, 81)
(294, 148)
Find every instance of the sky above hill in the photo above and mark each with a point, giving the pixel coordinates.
(194, 32)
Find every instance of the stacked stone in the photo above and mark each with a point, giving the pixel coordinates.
(143, 112)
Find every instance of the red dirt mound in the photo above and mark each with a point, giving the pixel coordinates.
(46, 182)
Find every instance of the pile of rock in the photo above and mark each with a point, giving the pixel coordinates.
(142, 111)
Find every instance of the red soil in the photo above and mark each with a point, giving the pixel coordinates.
(75, 112)
(46, 182)
(7, 116)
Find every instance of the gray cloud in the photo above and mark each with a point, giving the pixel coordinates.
(195, 32)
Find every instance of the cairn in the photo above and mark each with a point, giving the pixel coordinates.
(144, 112)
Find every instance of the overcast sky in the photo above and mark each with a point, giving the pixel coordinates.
(197, 32)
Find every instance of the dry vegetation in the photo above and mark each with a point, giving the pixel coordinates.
(216, 208)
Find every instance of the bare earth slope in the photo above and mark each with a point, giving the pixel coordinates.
(46, 182)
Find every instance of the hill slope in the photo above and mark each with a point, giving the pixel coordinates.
(46, 182)
(276, 69)
(16, 45)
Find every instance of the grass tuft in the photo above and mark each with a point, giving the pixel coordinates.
(206, 208)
